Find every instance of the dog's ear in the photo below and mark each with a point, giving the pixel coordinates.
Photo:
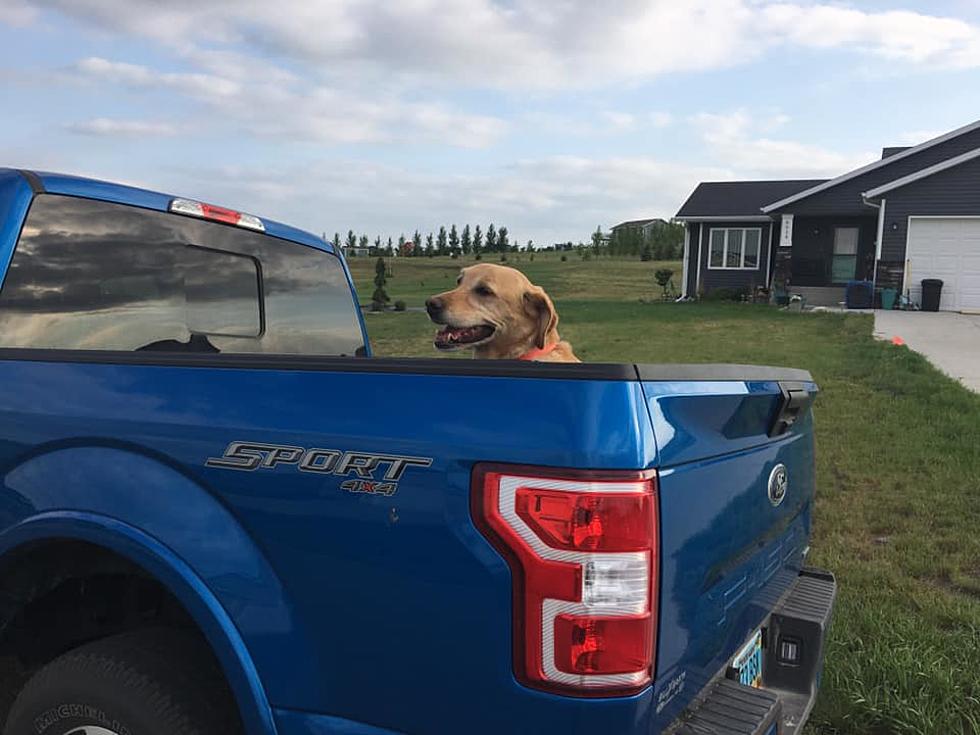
(539, 306)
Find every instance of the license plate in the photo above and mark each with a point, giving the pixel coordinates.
(748, 662)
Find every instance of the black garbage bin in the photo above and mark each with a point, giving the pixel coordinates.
(932, 289)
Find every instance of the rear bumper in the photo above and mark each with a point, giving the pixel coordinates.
(793, 636)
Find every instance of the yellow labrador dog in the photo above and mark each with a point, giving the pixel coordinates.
(499, 314)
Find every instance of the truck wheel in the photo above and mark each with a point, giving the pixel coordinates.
(149, 682)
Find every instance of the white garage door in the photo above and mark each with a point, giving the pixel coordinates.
(948, 249)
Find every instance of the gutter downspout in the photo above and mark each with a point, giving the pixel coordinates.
(881, 232)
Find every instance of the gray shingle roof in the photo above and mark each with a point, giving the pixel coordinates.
(740, 198)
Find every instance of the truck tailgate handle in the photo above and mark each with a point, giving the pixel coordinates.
(793, 401)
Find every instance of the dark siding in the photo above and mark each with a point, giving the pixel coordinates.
(952, 192)
(845, 198)
(813, 248)
(747, 279)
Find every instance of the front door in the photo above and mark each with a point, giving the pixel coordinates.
(844, 263)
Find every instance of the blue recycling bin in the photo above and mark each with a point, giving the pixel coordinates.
(859, 295)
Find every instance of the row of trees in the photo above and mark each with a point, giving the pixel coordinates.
(445, 242)
(661, 241)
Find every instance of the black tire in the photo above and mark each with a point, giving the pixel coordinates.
(149, 682)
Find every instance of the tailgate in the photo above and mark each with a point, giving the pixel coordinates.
(736, 463)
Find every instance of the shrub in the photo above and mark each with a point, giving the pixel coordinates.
(564, 258)
(647, 254)
(586, 255)
(662, 276)
(399, 305)
(454, 256)
(503, 257)
(377, 306)
(479, 256)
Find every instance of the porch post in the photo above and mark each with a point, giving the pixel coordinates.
(782, 262)
(687, 254)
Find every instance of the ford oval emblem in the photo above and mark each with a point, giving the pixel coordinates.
(778, 484)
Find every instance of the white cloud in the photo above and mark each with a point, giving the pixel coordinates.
(529, 44)
(134, 75)
(733, 140)
(897, 35)
(17, 13)
(264, 100)
(104, 126)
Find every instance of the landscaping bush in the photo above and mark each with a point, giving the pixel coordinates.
(564, 258)
(399, 305)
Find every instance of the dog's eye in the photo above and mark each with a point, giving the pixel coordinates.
(483, 291)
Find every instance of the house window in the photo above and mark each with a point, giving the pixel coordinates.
(735, 248)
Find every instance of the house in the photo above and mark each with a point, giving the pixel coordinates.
(912, 214)
(644, 227)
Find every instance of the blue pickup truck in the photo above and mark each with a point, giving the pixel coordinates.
(220, 514)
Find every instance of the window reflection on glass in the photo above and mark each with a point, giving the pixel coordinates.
(102, 276)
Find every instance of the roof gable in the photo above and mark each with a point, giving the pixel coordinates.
(739, 198)
(923, 173)
(890, 160)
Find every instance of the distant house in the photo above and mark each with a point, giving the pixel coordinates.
(912, 214)
(645, 227)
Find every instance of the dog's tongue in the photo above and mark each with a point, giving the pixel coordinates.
(462, 335)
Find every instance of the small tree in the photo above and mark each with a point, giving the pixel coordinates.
(351, 240)
(647, 253)
(477, 240)
(503, 243)
(389, 249)
(491, 238)
(441, 241)
(380, 297)
(466, 241)
(417, 244)
(454, 241)
(429, 247)
(662, 276)
(336, 241)
(597, 238)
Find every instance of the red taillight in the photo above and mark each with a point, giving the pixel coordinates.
(582, 547)
(587, 522)
(216, 214)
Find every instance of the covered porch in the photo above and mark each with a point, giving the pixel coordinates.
(819, 255)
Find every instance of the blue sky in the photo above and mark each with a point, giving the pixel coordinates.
(550, 118)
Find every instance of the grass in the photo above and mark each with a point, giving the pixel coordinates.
(898, 476)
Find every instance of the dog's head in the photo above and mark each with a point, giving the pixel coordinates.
(495, 310)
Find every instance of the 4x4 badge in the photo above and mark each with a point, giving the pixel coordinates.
(778, 484)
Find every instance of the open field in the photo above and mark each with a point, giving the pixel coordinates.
(898, 474)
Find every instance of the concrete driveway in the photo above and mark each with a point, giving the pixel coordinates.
(950, 341)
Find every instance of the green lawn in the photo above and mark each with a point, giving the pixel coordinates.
(898, 471)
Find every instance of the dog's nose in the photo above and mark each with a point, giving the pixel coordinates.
(433, 305)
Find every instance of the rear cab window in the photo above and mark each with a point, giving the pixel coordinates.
(93, 275)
